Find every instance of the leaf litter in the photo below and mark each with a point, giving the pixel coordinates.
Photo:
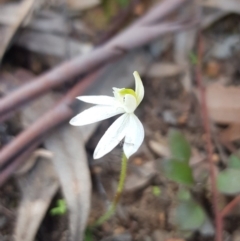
(141, 214)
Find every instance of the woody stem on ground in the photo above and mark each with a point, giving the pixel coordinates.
(110, 212)
(230, 206)
(16, 152)
(143, 31)
(209, 146)
(134, 36)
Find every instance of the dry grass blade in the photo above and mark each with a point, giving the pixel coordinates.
(38, 187)
(72, 167)
(7, 32)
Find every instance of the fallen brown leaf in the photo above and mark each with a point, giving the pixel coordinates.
(164, 70)
(23, 9)
(71, 164)
(162, 149)
(232, 133)
(223, 103)
(38, 187)
(32, 160)
(141, 177)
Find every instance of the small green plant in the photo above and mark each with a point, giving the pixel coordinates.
(88, 236)
(127, 127)
(156, 191)
(60, 209)
(110, 7)
(123, 3)
(193, 58)
(228, 180)
(177, 167)
(189, 214)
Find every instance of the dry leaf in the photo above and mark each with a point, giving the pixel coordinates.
(164, 70)
(229, 5)
(51, 44)
(71, 164)
(38, 188)
(141, 177)
(82, 4)
(232, 133)
(210, 18)
(223, 103)
(7, 32)
(162, 149)
(159, 148)
(226, 47)
(32, 160)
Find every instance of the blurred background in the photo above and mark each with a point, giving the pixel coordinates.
(183, 183)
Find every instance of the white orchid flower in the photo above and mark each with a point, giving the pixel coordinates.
(127, 126)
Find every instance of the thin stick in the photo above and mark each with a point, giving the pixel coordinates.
(230, 206)
(118, 194)
(141, 32)
(209, 146)
(51, 119)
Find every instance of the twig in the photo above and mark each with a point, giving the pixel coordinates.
(230, 206)
(141, 32)
(17, 162)
(209, 146)
(7, 212)
(118, 22)
(134, 36)
(28, 140)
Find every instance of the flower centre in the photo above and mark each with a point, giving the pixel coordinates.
(127, 98)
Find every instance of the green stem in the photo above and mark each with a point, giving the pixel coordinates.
(118, 194)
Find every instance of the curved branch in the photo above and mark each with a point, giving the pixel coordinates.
(34, 134)
(80, 65)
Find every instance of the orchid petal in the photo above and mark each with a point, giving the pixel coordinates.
(130, 103)
(134, 136)
(95, 114)
(114, 134)
(98, 99)
(139, 89)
